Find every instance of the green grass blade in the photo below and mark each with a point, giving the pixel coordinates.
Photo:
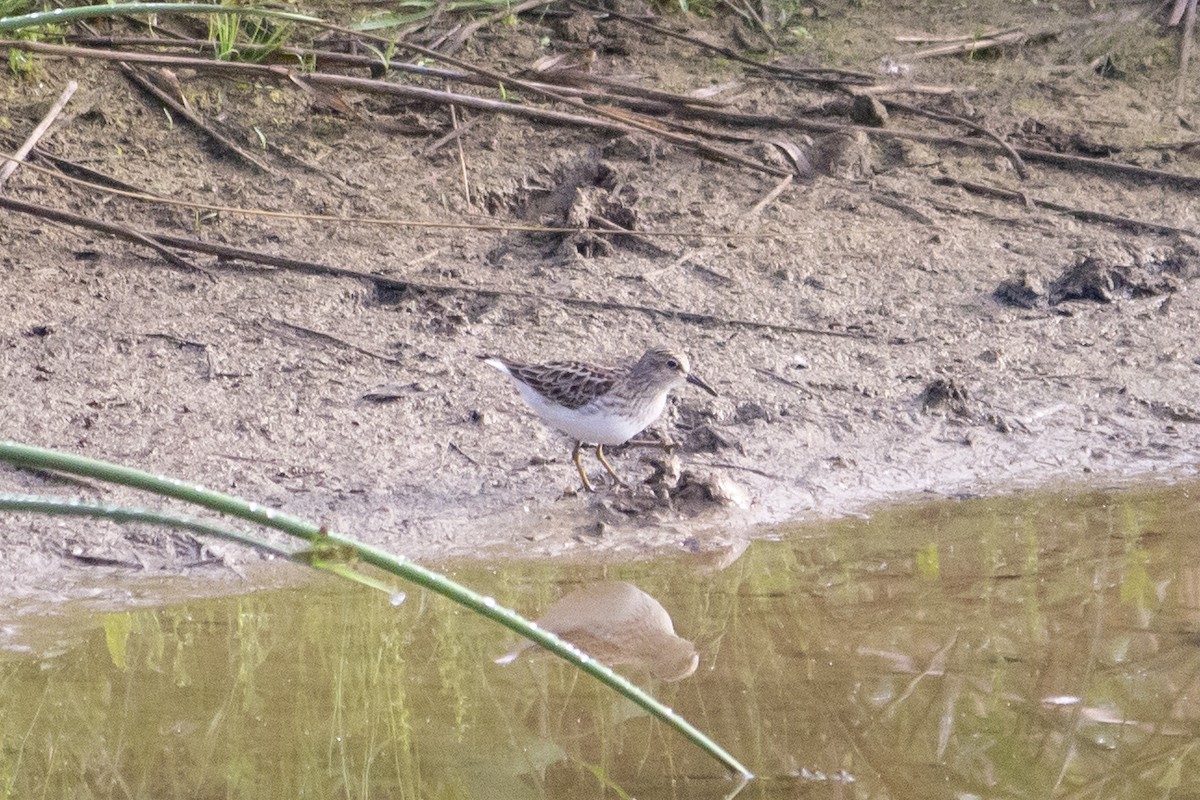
(81, 508)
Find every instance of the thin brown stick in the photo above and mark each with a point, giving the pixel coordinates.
(462, 157)
(450, 136)
(1126, 223)
(772, 374)
(929, 38)
(572, 78)
(35, 136)
(747, 12)
(912, 88)
(897, 204)
(152, 89)
(1014, 37)
(75, 169)
(228, 254)
(111, 228)
(331, 339)
(1013, 156)
(608, 225)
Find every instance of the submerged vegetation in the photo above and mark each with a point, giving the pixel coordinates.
(1050, 653)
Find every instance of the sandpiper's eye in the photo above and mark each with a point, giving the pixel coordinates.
(672, 363)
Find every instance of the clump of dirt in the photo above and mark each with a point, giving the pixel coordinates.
(816, 246)
(1103, 279)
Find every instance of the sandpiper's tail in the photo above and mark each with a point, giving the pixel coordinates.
(496, 362)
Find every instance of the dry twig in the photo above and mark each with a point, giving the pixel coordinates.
(111, 228)
(1126, 223)
(1013, 155)
(452, 44)
(331, 339)
(9, 167)
(976, 45)
(769, 198)
(151, 88)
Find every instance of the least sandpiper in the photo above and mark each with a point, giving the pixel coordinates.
(599, 406)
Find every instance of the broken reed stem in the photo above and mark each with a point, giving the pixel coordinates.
(324, 540)
(9, 167)
(147, 85)
(337, 81)
(563, 82)
(1013, 156)
(1125, 223)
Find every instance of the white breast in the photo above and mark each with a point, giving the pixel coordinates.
(595, 423)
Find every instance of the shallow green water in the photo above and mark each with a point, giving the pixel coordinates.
(1038, 646)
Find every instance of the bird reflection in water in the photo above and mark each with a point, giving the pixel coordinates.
(617, 623)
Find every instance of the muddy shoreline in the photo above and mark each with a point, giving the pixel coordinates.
(851, 323)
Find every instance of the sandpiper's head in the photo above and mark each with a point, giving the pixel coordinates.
(661, 365)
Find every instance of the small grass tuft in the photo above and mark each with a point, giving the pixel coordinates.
(12, 8)
(238, 39)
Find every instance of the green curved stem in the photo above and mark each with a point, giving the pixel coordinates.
(326, 541)
(63, 506)
(60, 15)
(80, 508)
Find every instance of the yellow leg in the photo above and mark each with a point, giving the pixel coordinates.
(607, 466)
(575, 456)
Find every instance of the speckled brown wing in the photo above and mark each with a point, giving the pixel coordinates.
(569, 383)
